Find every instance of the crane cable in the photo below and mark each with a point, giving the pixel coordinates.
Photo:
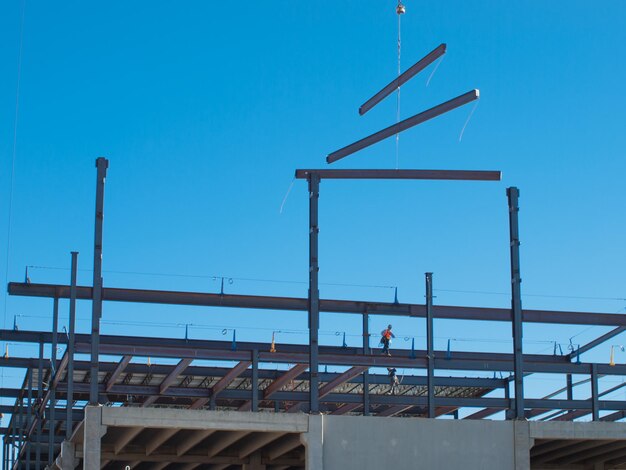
(400, 10)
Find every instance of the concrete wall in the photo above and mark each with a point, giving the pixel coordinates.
(358, 442)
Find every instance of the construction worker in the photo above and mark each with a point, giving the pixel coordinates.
(385, 339)
(393, 380)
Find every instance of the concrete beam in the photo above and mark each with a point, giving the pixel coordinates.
(161, 438)
(224, 440)
(285, 445)
(257, 442)
(572, 447)
(191, 441)
(202, 419)
(125, 436)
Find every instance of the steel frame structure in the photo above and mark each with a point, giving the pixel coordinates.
(38, 424)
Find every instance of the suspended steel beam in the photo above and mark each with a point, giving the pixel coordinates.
(404, 77)
(456, 175)
(404, 125)
(300, 304)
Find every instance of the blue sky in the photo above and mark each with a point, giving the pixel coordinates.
(205, 110)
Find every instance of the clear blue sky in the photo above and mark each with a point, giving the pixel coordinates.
(205, 109)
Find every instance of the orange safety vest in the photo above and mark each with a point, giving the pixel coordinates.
(387, 334)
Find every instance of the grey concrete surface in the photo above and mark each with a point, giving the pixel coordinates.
(361, 442)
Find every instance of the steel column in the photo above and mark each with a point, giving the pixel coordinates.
(39, 417)
(569, 387)
(101, 164)
(29, 415)
(314, 293)
(516, 301)
(430, 345)
(595, 408)
(255, 380)
(366, 374)
(20, 427)
(70, 348)
(53, 360)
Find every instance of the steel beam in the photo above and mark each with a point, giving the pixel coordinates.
(595, 410)
(430, 370)
(38, 416)
(222, 383)
(341, 379)
(592, 344)
(169, 380)
(404, 125)
(255, 380)
(53, 360)
(404, 77)
(69, 425)
(96, 312)
(347, 408)
(314, 293)
(366, 374)
(326, 305)
(117, 372)
(453, 175)
(394, 410)
(516, 301)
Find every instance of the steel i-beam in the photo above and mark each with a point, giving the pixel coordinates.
(404, 125)
(404, 77)
(430, 345)
(314, 293)
(96, 313)
(70, 347)
(516, 301)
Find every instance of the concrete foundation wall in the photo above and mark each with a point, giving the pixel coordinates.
(358, 442)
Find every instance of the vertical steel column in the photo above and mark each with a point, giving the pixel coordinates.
(430, 380)
(255, 380)
(595, 406)
(20, 426)
(314, 293)
(101, 164)
(53, 360)
(38, 415)
(366, 373)
(29, 415)
(69, 424)
(570, 388)
(516, 301)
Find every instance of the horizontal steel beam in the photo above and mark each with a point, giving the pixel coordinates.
(201, 371)
(301, 305)
(456, 175)
(404, 125)
(404, 77)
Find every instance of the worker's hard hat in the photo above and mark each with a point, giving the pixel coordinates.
(389, 326)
